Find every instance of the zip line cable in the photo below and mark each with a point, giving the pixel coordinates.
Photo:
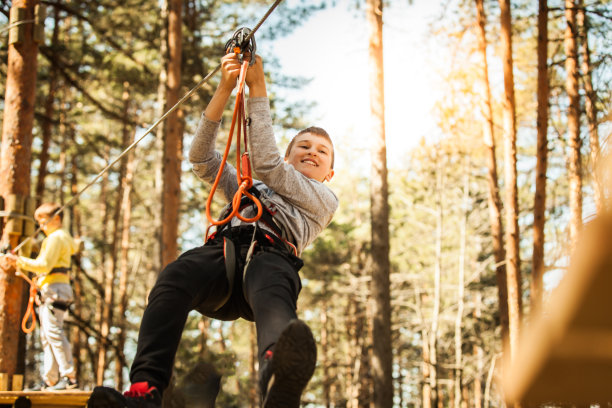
(153, 126)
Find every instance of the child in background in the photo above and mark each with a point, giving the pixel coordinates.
(52, 266)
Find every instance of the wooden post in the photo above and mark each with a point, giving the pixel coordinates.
(17, 384)
(3, 382)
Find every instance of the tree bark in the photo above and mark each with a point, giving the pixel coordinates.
(426, 391)
(15, 162)
(46, 125)
(573, 121)
(126, 210)
(160, 136)
(174, 139)
(590, 107)
(324, 344)
(437, 291)
(382, 356)
(78, 340)
(458, 389)
(493, 196)
(513, 262)
(102, 275)
(539, 203)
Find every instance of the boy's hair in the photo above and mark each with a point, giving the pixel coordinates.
(48, 209)
(315, 131)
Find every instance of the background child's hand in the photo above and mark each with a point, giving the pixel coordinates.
(256, 79)
(230, 70)
(8, 261)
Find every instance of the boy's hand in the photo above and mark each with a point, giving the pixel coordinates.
(230, 70)
(8, 261)
(256, 79)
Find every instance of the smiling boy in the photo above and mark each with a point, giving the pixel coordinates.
(244, 270)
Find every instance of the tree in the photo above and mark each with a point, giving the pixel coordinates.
(573, 121)
(15, 158)
(493, 198)
(173, 146)
(539, 204)
(381, 312)
(590, 105)
(513, 261)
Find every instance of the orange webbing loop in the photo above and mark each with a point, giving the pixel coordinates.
(243, 167)
(30, 309)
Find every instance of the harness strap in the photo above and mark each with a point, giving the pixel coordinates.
(59, 269)
(229, 254)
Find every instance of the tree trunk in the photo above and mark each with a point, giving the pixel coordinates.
(126, 210)
(78, 339)
(253, 389)
(381, 313)
(478, 354)
(365, 398)
(437, 291)
(358, 335)
(426, 391)
(590, 107)
(494, 200)
(573, 122)
(111, 271)
(102, 276)
(324, 346)
(174, 139)
(461, 290)
(15, 161)
(160, 136)
(513, 262)
(539, 204)
(46, 125)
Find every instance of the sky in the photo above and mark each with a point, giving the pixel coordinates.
(331, 48)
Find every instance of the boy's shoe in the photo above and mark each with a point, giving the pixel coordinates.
(286, 371)
(140, 395)
(64, 383)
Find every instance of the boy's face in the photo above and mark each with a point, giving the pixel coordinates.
(311, 155)
(47, 223)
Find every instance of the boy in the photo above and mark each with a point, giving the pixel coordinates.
(52, 265)
(266, 290)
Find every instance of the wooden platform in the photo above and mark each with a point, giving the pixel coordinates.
(565, 355)
(44, 399)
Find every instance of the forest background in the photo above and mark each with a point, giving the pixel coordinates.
(471, 242)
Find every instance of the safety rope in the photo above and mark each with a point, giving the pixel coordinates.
(29, 313)
(149, 130)
(243, 166)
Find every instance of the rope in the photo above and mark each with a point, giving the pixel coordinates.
(16, 215)
(29, 313)
(244, 178)
(15, 24)
(153, 126)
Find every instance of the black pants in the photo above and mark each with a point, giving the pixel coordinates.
(198, 280)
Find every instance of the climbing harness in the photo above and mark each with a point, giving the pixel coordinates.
(30, 314)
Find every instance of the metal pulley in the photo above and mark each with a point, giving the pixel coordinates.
(242, 42)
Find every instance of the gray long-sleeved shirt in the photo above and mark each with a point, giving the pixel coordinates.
(303, 207)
